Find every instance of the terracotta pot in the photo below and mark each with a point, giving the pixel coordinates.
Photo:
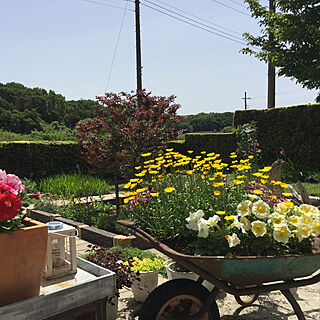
(148, 282)
(22, 256)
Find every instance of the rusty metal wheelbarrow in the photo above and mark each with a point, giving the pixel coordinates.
(240, 276)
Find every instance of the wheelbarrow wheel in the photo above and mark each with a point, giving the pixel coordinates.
(175, 299)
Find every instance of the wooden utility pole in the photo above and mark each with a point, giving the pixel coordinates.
(245, 100)
(271, 69)
(138, 46)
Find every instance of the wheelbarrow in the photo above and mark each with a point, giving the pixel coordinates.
(183, 299)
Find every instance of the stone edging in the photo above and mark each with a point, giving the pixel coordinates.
(87, 233)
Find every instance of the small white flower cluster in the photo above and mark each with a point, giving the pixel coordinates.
(255, 217)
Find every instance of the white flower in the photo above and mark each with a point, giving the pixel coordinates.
(213, 221)
(237, 224)
(260, 209)
(253, 197)
(243, 208)
(281, 233)
(277, 218)
(258, 228)
(193, 219)
(303, 231)
(245, 223)
(233, 240)
(203, 228)
(308, 209)
(282, 208)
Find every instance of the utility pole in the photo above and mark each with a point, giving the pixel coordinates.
(271, 68)
(245, 100)
(138, 46)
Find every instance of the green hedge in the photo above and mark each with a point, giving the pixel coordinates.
(295, 129)
(223, 143)
(39, 159)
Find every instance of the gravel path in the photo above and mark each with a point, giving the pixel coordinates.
(272, 306)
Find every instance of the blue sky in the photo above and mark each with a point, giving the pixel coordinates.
(68, 46)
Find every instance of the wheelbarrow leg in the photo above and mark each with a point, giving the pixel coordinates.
(296, 308)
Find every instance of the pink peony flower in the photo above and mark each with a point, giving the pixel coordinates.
(11, 182)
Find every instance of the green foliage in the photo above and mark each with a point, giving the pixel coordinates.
(37, 160)
(212, 122)
(125, 253)
(293, 129)
(77, 185)
(24, 110)
(295, 46)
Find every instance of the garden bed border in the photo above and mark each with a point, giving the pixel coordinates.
(87, 233)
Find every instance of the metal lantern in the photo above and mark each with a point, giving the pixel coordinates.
(61, 240)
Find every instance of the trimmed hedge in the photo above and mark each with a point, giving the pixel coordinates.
(39, 159)
(296, 129)
(223, 143)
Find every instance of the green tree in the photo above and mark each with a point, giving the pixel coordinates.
(295, 49)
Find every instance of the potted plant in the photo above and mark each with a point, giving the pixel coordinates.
(23, 244)
(124, 275)
(177, 271)
(148, 271)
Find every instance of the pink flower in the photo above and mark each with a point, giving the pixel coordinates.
(12, 182)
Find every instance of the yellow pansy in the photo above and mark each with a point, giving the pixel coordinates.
(169, 189)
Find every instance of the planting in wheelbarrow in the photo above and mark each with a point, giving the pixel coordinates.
(238, 228)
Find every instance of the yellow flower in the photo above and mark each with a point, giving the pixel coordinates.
(282, 208)
(127, 186)
(258, 228)
(257, 174)
(221, 212)
(237, 182)
(263, 181)
(190, 151)
(316, 228)
(189, 172)
(141, 190)
(265, 169)
(153, 172)
(309, 209)
(264, 176)
(169, 150)
(217, 193)
(141, 174)
(302, 231)
(134, 180)
(203, 152)
(154, 194)
(245, 223)
(128, 194)
(257, 191)
(169, 189)
(229, 217)
(250, 157)
(284, 185)
(146, 154)
(281, 233)
(286, 194)
(289, 204)
(233, 156)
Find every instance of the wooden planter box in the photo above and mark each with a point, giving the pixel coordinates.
(22, 256)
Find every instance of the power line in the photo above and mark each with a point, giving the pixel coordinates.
(106, 5)
(192, 15)
(194, 25)
(117, 44)
(205, 25)
(232, 8)
(239, 4)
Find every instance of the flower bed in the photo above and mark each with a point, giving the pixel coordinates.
(206, 207)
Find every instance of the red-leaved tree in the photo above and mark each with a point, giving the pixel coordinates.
(125, 126)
